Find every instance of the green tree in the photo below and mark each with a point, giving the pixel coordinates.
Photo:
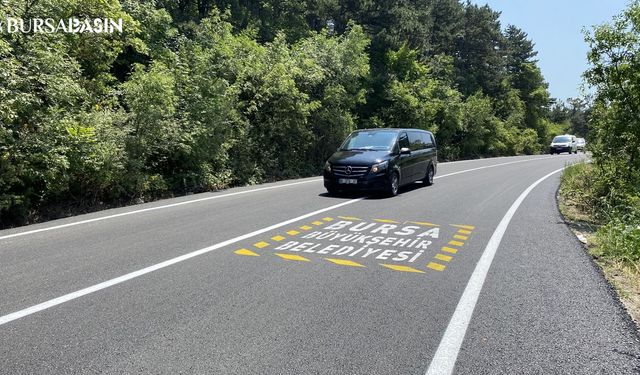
(615, 61)
(480, 65)
(525, 76)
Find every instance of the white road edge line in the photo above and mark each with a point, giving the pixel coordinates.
(94, 288)
(488, 166)
(541, 156)
(446, 355)
(154, 208)
(223, 196)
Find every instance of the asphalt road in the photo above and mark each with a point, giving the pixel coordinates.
(282, 279)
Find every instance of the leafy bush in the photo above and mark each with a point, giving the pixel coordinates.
(617, 218)
(620, 239)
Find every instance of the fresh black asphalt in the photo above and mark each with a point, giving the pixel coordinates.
(545, 308)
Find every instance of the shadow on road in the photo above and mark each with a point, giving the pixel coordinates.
(372, 195)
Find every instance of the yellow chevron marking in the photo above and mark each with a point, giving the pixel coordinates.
(397, 267)
(443, 257)
(246, 252)
(423, 223)
(349, 218)
(344, 262)
(469, 227)
(436, 266)
(292, 257)
(261, 244)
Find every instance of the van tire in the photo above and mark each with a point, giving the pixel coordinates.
(393, 185)
(428, 178)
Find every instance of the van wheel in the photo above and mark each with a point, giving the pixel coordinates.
(393, 185)
(332, 192)
(428, 178)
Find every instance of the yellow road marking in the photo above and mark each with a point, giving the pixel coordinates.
(396, 267)
(426, 224)
(469, 227)
(464, 231)
(327, 218)
(246, 252)
(292, 232)
(277, 238)
(456, 243)
(449, 250)
(292, 257)
(317, 222)
(436, 266)
(443, 257)
(459, 237)
(305, 227)
(386, 221)
(261, 244)
(344, 262)
(349, 218)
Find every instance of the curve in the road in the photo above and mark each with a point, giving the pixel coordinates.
(446, 355)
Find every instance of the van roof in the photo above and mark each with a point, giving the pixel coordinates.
(391, 129)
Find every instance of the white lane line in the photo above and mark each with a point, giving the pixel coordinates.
(94, 288)
(486, 159)
(153, 209)
(491, 166)
(218, 197)
(446, 355)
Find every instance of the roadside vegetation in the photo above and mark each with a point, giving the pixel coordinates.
(202, 95)
(602, 199)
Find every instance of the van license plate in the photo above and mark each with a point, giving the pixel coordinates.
(351, 181)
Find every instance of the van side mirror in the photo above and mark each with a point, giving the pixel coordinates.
(405, 151)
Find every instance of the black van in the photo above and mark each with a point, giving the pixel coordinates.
(382, 160)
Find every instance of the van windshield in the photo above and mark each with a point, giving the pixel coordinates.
(560, 139)
(370, 140)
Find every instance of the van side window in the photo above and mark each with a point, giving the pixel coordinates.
(403, 140)
(415, 138)
(428, 141)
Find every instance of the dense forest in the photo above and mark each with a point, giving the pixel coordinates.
(198, 95)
